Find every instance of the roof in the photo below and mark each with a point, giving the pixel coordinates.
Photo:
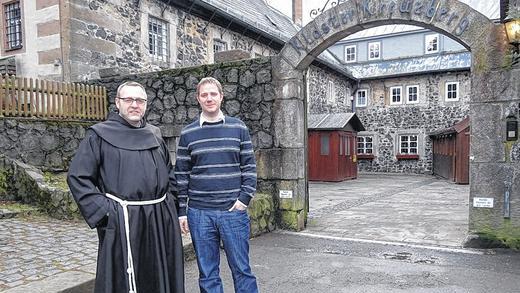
(456, 128)
(334, 121)
(259, 15)
(413, 65)
(257, 20)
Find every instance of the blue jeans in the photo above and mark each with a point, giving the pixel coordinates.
(207, 228)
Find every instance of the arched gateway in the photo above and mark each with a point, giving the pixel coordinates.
(493, 97)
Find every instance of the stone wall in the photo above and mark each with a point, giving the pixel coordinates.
(172, 103)
(319, 101)
(111, 37)
(385, 122)
(248, 94)
(48, 145)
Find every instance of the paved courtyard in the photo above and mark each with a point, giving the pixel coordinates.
(388, 207)
(37, 253)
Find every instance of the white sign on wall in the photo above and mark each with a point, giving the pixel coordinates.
(285, 193)
(483, 202)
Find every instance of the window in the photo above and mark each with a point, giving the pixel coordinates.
(324, 151)
(158, 39)
(395, 95)
(374, 51)
(219, 46)
(452, 91)
(364, 145)
(347, 145)
(341, 145)
(350, 53)
(13, 26)
(412, 94)
(331, 92)
(408, 144)
(431, 44)
(361, 98)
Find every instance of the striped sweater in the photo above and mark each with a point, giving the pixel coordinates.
(215, 165)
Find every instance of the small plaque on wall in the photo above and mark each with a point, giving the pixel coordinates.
(482, 202)
(285, 193)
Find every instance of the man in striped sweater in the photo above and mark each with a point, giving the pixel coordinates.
(216, 179)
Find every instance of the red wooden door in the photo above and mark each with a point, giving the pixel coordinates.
(347, 165)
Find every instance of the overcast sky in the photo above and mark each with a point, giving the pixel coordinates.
(285, 6)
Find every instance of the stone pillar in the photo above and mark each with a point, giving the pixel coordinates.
(284, 165)
(495, 165)
(495, 162)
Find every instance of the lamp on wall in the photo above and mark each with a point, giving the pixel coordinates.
(512, 23)
(513, 31)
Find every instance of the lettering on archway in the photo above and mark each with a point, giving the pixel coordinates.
(450, 17)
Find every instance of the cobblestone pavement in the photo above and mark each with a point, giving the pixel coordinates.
(32, 249)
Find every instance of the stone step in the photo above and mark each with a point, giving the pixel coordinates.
(7, 214)
(12, 209)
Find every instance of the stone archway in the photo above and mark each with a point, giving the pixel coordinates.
(488, 45)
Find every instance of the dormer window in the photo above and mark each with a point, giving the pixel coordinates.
(431, 43)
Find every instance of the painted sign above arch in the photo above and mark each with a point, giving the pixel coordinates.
(450, 17)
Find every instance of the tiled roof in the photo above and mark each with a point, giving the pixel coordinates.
(334, 121)
(260, 15)
(388, 68)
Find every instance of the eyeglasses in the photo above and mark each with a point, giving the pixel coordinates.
(129, 100)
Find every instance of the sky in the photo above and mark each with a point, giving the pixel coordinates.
(285, 6)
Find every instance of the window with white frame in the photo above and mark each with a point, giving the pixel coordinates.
(431, 43)
(158, 39)
(412, 94)
(396, 95)
(365, 145)
(12, 25)
(331, 91)
(452, 91)
(374, 51)
(361, 98)
(219, 45)
(408, 144)
(350, 53)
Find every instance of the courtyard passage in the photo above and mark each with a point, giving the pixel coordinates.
(417, 209)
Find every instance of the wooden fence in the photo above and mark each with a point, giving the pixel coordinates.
(27, 97)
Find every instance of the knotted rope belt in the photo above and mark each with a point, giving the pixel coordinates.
(124, 204)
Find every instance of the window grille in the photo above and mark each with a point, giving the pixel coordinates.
(350, 53)
(452, 91)
(408, 144)
(13, 25)
(395, 95)
(364, 145)
(158, 39)
(219, 45)
(412, 92)
(361, 98)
